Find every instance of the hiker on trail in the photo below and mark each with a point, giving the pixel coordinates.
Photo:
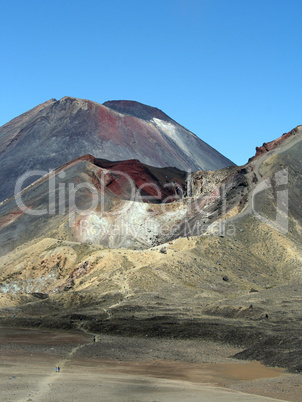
(94, 338)
(58, 369)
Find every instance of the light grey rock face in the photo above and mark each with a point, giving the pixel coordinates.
(56, 132)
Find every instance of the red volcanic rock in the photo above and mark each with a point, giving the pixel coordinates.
(10, 218)
(121, 177)
(154, 184)
(86, 184)
(268, 146)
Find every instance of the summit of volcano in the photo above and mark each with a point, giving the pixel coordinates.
(57, 132)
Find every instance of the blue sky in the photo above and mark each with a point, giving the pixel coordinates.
(228, 70)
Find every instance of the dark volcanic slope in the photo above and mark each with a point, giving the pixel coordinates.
(56, 132)
(137, 109)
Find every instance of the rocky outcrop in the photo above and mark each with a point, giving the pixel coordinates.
(269, 146)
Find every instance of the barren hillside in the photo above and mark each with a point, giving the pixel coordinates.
(227, 267)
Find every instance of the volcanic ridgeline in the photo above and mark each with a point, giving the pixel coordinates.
(57, 132)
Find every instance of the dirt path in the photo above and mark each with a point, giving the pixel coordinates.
(92, 385)
(44, 388)
(98, 371)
